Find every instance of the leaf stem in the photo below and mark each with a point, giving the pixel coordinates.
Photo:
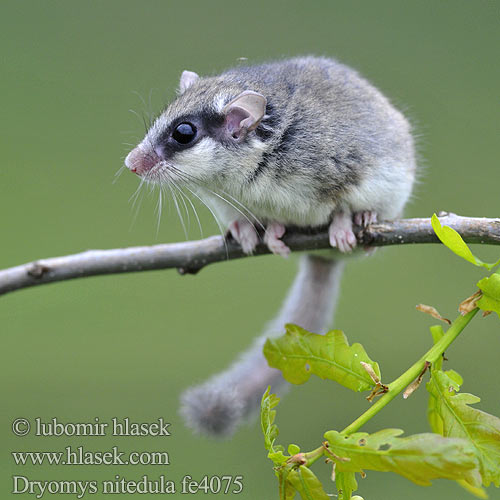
(312, 456)
(398, 385)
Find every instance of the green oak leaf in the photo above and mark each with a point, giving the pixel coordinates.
(450, 415)
(420, 458)
(456, 244)
(269, 428)
(307, 484)
(346, 484)
(490, 300)
(300, 353)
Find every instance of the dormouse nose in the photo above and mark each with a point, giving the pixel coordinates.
(141, 160)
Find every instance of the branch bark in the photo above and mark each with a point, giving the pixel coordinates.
(191, 256)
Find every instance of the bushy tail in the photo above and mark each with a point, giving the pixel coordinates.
(219, 405)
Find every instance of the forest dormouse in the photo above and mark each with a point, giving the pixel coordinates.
(304, 142)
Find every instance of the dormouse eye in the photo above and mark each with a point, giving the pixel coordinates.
(184, 133)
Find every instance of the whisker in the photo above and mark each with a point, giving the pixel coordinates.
(162, 178)
(135, 195)
(139, 95)
(159, 207)
(193, 179)
(222, 231)
(136, 206)
(174, 186)
(192, 206)
(147, 108)
(244, 207)
(179, 213)
(150, 108)
(259, 223)
(133, 111)
(118, 173)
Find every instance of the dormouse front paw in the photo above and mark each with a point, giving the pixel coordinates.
(272, 239)
(245, 234)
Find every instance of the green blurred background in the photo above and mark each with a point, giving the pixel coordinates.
(129, 345)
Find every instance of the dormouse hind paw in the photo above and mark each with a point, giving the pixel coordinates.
(245, 234)
(364, 219)
(340, 232)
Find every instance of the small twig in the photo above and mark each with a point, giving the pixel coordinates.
(190, 257)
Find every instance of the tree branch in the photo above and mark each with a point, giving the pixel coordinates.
(191, 256)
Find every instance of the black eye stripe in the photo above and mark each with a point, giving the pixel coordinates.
(184, 133)
(205, 124)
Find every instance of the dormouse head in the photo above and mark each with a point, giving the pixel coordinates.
(206, 130)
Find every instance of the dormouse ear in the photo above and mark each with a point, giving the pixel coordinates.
(187, 79)
(244, 113)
